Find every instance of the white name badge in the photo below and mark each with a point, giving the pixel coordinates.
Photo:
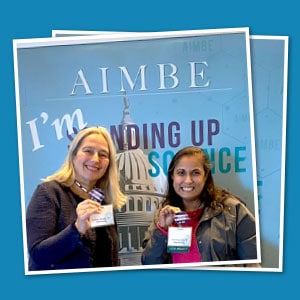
(179, 239)
(106, 218)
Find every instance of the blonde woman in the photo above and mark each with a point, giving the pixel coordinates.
(60, 234)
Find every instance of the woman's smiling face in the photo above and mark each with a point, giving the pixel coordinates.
(91, 160)
(189, 178)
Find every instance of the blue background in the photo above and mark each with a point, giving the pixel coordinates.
(35, 19)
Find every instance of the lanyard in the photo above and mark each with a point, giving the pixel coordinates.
(95, 194)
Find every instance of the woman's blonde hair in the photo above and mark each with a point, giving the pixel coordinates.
(109, 182)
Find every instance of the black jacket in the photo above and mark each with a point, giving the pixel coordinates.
(52, 238)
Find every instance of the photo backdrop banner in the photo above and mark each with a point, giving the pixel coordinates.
(155, 93)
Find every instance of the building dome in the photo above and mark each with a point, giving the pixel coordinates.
(134, 170)
(144, 193)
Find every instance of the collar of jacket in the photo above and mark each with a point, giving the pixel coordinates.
(209, 212)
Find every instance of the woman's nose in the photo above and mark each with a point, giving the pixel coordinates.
(96, 156)
(188, 178)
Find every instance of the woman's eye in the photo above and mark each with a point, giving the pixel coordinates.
(87, 151)
(104, 155)
(180, 172)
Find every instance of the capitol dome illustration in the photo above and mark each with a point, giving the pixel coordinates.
(143, 192)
